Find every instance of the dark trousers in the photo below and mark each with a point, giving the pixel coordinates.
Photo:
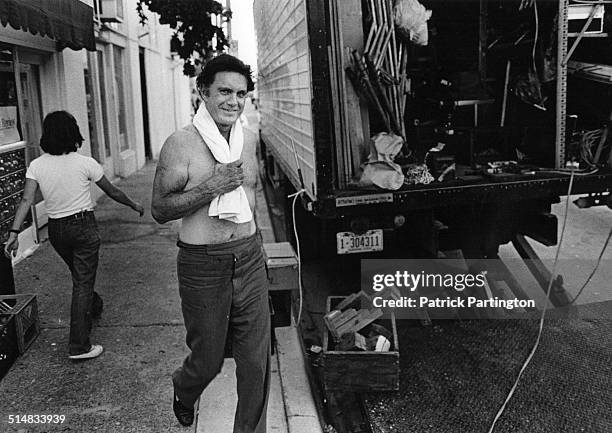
(77, 241)
(224, 297)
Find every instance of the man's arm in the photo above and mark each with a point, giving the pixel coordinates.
(170, 200)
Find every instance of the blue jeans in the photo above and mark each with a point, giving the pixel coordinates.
(76, 240)
(224, 297)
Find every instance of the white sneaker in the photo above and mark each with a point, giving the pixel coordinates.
(95, 351)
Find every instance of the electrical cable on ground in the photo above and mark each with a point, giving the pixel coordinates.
(541, 325)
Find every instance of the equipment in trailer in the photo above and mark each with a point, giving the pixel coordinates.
(316, 119)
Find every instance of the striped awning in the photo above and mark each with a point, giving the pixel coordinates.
(69, 22)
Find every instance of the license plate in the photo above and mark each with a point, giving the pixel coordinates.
(350, 243)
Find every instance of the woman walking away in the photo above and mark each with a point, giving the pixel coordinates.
(64, 178)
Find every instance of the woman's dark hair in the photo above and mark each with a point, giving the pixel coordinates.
(60, 133)
(224, 63)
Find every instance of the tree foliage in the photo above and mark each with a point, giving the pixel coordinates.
(194, 31)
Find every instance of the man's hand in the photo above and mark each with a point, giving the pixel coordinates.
(11, 246)
(229, 176)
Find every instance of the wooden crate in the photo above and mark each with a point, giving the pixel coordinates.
(281, 265)
(360, 371)
(24, 310)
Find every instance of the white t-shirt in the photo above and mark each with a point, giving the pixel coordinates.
(64, 181)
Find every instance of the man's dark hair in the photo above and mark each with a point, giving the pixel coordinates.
(224, 63)
(61, 133)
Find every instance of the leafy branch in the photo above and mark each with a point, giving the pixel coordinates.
(194, 30)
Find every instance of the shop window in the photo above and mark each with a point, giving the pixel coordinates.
(10, 128)
(13, 160)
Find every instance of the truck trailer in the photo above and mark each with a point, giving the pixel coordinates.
(498, 106)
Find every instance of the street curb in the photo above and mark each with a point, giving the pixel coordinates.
(300, 408)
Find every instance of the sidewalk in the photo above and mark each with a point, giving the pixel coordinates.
(129, 388)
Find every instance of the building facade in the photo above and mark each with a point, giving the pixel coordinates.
(96, 60)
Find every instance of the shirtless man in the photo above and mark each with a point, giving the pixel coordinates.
(220, 266)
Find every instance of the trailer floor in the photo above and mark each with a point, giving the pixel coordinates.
(455, 376)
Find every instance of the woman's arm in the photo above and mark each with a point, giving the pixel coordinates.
(27, 199)
(119, 196)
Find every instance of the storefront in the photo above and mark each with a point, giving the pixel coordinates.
(39, 43)
(116, 76)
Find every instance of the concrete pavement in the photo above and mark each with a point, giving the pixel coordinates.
(128, 388)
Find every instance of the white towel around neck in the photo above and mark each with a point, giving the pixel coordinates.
(234, 205)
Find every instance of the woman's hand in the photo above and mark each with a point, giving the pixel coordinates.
(138, 208)
(11, 246)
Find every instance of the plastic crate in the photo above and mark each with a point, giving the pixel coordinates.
(24, 310)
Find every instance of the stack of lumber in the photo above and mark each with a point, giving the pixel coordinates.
(350, 321)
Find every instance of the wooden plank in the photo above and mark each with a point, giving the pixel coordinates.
(341, 77)
(558, 295)
(337, 321)
(337, 142)
(278, 249)
(356, 111)
(345, 317)
(359, 321)
(492, 312)
(503, 289)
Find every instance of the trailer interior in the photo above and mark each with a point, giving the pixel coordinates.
(496, 113)
(483, 94)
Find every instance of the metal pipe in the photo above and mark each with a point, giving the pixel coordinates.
(505, 100)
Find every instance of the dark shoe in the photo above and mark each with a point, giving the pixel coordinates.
(183, 414)
(97, 305)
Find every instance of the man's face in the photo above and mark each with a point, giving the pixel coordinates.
(225, 98)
